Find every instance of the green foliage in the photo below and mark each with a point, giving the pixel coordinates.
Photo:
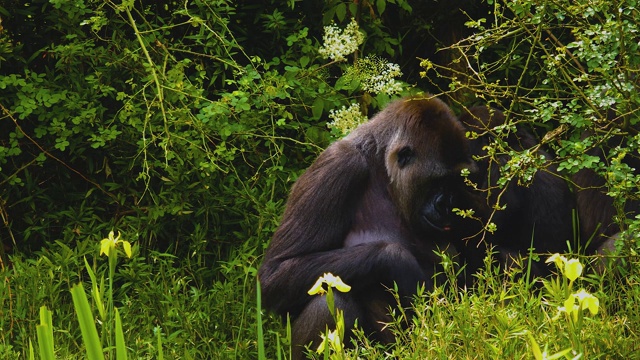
(176, 311)
(45, 335)
(508, 316)
(87, 326)
(567, 70)
(183, 308)
(91, 340)
(170, 120)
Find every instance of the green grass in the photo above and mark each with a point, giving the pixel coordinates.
(506, 317)
(193, 310)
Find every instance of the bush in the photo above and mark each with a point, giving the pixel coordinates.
(567, 70)
(169, 121)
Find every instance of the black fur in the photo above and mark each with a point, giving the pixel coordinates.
(539, 214)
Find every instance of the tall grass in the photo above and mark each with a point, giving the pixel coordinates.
(163, 308)
(507, 316)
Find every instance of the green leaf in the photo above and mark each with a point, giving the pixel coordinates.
(160, 352)
(304, 61)
(317, 107)
(95, 291)
(353, 7)
(87, 326)
(328, 16)
(341, 11)
(44, 332)
(535, 349)
(121, 349)
(32, 355)
(381, 5)
(560, 354)
(61, 144)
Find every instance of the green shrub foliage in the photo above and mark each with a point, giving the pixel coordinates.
(568, 70)
(181, 123)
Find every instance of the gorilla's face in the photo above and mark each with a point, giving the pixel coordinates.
(424, 166)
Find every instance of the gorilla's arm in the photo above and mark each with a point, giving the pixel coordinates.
(309, 241)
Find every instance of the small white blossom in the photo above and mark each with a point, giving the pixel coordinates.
(376, 75)
(339, 43)
(346, 119)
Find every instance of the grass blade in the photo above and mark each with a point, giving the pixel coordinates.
(32, 355)
(96, 291)
(160, 353)
(45, 334)
(87, 325)
(260, 336)
(121, 349)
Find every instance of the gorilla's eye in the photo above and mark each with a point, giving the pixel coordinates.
(405, 156)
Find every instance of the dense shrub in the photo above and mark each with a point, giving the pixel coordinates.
(568, 70)
(182, 124)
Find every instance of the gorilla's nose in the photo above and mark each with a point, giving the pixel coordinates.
(443, 204)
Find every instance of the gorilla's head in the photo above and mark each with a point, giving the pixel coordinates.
(426, 150)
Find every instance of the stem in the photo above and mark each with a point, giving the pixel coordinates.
(154, 74)
(146, 53)
(113, 259)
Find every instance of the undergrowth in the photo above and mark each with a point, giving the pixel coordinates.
(571, 315)
(194, 312)
(199, 312)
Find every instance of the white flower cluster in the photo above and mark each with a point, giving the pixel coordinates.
(347, 118)
(339, 43)
(376, 75)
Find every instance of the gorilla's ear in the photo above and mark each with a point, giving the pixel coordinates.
(405, 156)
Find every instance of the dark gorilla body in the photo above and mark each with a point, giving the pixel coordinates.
(539, 215)
(371, 209)
(596, 210)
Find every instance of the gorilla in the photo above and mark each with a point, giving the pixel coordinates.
(597, 213)
(374, 208)
(538, 214)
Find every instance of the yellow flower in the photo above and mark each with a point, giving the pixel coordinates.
(585, 301)
(588, 301)
(570, 305)
(558, 259)
(330, 280)
(572, 269)
(333, 338)
(110, 243)
(126, 246)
